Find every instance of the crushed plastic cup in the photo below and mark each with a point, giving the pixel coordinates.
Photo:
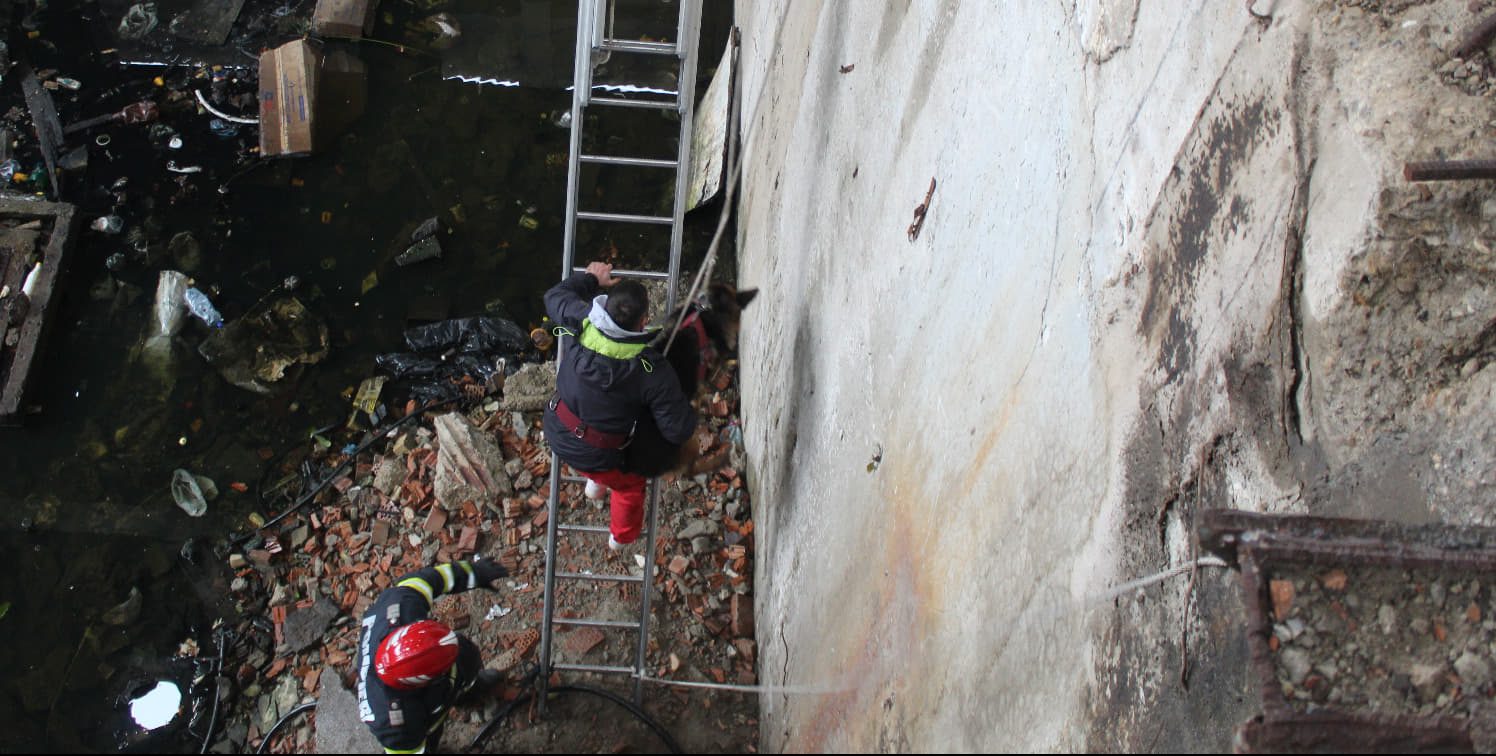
(187, 494)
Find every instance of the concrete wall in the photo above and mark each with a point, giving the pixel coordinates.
(958, 443)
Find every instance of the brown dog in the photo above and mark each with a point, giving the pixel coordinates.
(708, 335)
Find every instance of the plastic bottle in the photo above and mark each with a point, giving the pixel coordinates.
(202, 307)
(109, 224)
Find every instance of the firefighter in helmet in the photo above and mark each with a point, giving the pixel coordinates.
(411, 669)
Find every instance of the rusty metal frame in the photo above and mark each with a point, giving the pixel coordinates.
(1255, 543)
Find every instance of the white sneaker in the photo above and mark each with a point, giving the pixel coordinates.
(595, 491)
(615, 545)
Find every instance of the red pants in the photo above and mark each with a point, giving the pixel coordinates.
(625, 505)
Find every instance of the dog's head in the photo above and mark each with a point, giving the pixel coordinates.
(726, 306)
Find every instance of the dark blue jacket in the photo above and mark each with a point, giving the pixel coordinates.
(410, 721)
(609, 382)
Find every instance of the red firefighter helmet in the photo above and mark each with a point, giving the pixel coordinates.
(416, 654)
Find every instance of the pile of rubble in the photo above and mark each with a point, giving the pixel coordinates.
(461, 483)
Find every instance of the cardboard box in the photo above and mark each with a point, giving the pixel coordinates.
(288, 98)
(343, 18)
(342, 91)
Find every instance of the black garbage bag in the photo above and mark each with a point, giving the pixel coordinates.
(401, 365)
(446, 355)
(479, 334)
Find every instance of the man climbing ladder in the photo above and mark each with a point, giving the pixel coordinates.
(605, 385)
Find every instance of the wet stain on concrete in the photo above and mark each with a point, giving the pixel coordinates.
(930, 58)
(1200, 180)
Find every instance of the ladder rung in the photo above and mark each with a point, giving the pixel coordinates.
(585, 528)
(661, 220)
(623, 624)
(602, 669)
(639, 162)
(652, 275)
(639, 46)
(600, 578)
(622, 103)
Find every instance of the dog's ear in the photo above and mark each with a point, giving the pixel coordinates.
(745, 296)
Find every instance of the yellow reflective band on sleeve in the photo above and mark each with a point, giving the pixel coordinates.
(420, 585)
(472, 577)
(418, 749)
(445, 570)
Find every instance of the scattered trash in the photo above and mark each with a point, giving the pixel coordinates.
(76, 159)
(223, 129)
(441, 29)
(138, 21)
(367, 400)
(496, 612)
(171, 303)
(203, 101)
(255, 350)
(174, 143)
(187, 494)
(9, 169)
(171, 165)
(28, 287)
(144, 111)
(109, 224)
(542, 339)
(102, 140)
(67, 83)
(199, 304)
(424, 249)
(126, 612)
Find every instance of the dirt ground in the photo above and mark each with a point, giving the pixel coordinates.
(315, 574)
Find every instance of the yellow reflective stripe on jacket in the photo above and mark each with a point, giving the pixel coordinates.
(471, 576)
(445, 570)
(596, 341)
(420, 585)
(418, 749)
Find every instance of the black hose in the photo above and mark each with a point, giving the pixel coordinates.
(493, 724)
(503, 713)
(327, 480)
(218, 636)
(308, 706)
(627, 704)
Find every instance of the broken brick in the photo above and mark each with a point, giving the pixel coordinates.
(1282, 596)
(581, 640)
(436, 519)
(467, 542)
(513, 508)
(742, 615)
(679, 564)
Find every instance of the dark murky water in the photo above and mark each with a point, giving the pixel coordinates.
(87, 513)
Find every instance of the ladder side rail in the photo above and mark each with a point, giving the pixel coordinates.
(581, 85)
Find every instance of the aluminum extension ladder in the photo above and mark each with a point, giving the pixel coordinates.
(595, 43)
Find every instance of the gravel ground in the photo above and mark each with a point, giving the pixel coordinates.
(1385, 641)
